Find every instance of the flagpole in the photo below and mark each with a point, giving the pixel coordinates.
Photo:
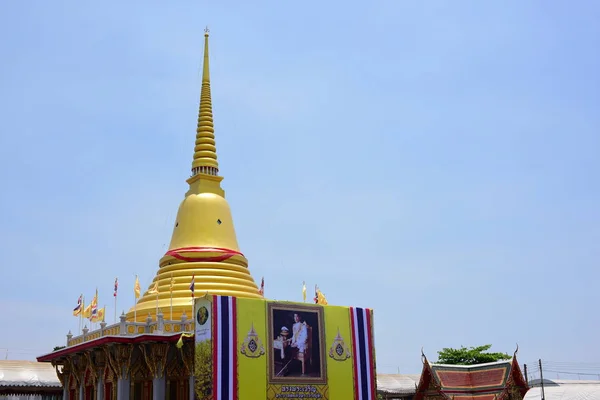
(81, 313)
(171, 290)
(135, 302)
(193, 289)
(116, 294)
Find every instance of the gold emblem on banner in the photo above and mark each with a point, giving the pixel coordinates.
(339, 351)
(252, 346)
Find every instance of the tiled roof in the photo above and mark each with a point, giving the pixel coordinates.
(460, 378)
(488, 381)
(27, 374)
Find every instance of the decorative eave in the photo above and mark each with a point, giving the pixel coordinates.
(106, 340)
(431, 380)
(427, 379)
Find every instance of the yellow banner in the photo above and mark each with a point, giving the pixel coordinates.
(305, 392)
(284, 350)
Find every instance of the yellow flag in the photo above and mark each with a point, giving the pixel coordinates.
(136, 288)
(321, 297)
(180, 341)
(87, 312)
(95, 299)
(154, 288)
(99, 317)
(304, 291)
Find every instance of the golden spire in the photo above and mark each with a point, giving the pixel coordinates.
(205, 151)
(203, 244)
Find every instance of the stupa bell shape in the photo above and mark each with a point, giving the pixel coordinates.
(203, 245)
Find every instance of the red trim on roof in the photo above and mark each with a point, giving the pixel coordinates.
(429, 380)
(110, 339)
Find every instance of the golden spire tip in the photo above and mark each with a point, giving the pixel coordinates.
(206, 31)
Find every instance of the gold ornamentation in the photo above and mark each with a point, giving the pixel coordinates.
(187, 357)
(60, 373)
(93, 375)
(252, 346)
(111, 363)
(155, 356)
(148, 359)
(123, 358)
(75, 379)
(339, 351)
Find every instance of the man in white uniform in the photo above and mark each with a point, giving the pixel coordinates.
(299, 334)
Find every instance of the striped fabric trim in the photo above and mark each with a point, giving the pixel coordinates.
(362, 344)
(224, 348)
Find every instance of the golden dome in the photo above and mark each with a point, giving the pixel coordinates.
(203, 244)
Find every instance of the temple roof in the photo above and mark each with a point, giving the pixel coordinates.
(489, 381)
(27, 375)
(401, 384)
(111, 339)
(564, 390)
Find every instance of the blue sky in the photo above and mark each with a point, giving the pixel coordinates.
(436, 161)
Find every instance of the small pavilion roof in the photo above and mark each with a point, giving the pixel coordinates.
(489, 381)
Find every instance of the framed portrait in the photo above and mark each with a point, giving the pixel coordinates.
(297, 346)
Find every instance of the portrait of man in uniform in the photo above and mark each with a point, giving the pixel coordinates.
(296, 333)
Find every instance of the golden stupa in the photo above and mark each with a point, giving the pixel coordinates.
(203, 244)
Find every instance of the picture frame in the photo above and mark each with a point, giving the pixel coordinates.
(296, 346)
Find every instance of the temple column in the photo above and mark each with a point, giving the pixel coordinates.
(191, 387)
(100, 385)
(122, 362)
(65, 384)
(158, 388)
(123, 386)
(155, 356)
(81, 391)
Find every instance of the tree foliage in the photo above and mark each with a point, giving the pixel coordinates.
(469, 356)
(203, 369)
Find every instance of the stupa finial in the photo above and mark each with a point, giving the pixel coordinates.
(203, 247)
(205, 150)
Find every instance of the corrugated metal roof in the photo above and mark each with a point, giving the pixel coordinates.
(27, 374)
(398, 383)
(565, 390)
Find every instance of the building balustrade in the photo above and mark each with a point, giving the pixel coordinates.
(157, 326)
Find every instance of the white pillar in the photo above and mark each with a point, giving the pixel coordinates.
(123, 388)
(100, 386)
(66, 388)
(192, 391)
(158, 388)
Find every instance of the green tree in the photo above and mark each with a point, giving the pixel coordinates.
(469, 356)
(203, 369)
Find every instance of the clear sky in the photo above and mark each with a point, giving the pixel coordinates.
(436, 161)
